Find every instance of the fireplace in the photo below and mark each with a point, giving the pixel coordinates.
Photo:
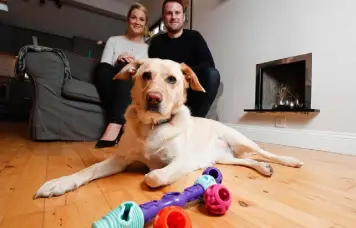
(284, 85)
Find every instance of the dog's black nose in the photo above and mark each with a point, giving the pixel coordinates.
(154, 97)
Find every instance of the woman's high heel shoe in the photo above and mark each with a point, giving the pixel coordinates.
(107, 143)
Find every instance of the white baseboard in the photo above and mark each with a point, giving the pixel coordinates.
(334, 142)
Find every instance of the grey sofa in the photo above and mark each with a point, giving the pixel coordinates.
(68, 109)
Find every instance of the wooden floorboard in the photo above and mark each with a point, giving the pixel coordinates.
(321, 194)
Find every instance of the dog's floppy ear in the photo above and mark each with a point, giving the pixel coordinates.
(129, 70)
(191, 78)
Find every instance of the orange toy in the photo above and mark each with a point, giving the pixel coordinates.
(172, 217)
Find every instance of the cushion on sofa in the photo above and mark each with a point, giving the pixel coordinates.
(81, 91)
(81, 67)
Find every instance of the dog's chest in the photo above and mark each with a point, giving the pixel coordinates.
(162, 155)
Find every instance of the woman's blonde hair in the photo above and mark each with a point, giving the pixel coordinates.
(139, 7)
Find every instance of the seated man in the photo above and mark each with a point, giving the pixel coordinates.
(187, 46)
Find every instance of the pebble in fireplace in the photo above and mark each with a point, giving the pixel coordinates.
(284, 85)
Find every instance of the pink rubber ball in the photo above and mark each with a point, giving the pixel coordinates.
(217, 199)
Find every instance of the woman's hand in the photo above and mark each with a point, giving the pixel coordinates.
(125, 57)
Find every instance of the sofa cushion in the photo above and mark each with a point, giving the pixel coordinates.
(81, 67)
(81, 91)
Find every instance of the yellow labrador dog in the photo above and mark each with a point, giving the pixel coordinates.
(161, 133)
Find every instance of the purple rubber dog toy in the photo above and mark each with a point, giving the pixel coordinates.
(211, 176)
(129, 214)
(214, 172)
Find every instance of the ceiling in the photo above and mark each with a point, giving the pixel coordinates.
(128, 1)
(91, 19)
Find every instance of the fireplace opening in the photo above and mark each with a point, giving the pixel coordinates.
(284, 85)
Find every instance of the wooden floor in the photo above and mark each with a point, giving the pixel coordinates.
(321, 194)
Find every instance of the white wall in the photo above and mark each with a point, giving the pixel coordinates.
(66, 21)
(243, 33)
(154, 10)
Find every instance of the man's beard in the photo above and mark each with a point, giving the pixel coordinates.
(176, 30)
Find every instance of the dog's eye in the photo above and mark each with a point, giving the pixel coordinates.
(171, 80)
(146, 76)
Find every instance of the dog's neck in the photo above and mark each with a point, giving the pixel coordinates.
(160, 122)
(143, 128)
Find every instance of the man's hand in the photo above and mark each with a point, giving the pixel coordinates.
(125, 57)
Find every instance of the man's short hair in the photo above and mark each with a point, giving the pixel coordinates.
(183, 3)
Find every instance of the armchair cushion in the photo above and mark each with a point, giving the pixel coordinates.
(81, 91)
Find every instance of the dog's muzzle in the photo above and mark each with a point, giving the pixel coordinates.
(153, 101)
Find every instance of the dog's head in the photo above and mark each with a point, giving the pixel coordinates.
(159, 88)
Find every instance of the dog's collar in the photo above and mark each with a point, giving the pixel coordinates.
(162, 122)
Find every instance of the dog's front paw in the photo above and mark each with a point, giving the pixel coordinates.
(56, 187)
(154, 179)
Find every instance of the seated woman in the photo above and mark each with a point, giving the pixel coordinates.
(119, 51)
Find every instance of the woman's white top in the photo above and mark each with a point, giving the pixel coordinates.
(119, 44)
